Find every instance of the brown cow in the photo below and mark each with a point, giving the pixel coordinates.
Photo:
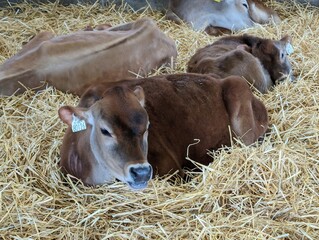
(220, 16)
(128, 129)
(70, 62)
(262, 62)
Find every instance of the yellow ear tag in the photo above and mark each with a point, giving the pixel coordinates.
(217, 1)
(77, 124)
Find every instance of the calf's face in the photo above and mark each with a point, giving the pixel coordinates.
(274, 57)
(118, 134)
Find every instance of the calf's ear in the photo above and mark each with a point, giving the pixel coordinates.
(286, 39)
(139, 93)
(250, 40)
(66, 114)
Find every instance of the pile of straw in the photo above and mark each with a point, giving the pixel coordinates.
(267, 191)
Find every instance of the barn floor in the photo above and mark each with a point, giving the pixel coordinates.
(267, 191)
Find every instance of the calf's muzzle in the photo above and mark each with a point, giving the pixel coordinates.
(140, 175)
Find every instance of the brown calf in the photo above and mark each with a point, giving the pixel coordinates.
(220, 16)
(262, 62)
(128, 129)
(71, 62)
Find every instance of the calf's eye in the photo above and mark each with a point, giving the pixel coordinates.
(245, 4)
(105, 132)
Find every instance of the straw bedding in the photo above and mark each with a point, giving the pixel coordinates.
(266, 191)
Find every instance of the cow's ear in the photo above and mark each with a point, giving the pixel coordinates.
(139, 93)
(67, 113)
(286, 39)
(251, 41)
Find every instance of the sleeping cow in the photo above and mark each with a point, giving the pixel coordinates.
(71, 62)
(133, 129)
(220, 16)
(262, 62)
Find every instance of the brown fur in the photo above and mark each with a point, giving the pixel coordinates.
(262, 62)
(180, 108)
(69, 62)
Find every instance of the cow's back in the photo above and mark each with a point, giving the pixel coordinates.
(231, 56)
(69, 62)
(189, 110)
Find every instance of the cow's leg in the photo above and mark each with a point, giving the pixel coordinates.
(170, 15)
(14, 77)
(262, 14)
(216, 31)
(248, 115)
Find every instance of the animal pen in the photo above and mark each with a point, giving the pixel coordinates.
(266, 191)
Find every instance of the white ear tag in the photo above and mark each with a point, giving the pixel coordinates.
(77, 124)
(289, 49)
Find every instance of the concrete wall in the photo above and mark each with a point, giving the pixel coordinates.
(135, 4)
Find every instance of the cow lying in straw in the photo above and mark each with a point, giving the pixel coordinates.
(220, 16)
(262, 62)
(128, 129)
(112, 53)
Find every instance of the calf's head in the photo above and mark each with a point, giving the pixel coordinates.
(117, 134)
(273, 55)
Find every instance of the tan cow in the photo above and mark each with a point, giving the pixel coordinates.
(128, 129)
(71, 62)
(262, 62)
(220, 16)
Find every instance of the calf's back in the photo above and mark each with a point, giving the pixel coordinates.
(262, 62)
(71, 62)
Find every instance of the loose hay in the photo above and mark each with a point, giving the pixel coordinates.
(267, 191)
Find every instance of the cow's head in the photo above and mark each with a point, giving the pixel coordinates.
(118, 133)
(273, 55)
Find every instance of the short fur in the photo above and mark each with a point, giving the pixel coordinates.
(110, 53)
(219, 17)
(262, 62)
(180, 108)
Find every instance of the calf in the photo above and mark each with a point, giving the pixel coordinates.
(128, 129)
(220, 16)
(71, 62)
(262, 62)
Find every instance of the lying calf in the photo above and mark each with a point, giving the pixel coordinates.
(127, 130)
(262, 62)
(71, 62)
(221, 16)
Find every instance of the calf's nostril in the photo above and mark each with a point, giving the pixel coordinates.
(141, 173)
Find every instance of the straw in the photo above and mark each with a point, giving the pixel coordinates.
(265, 191)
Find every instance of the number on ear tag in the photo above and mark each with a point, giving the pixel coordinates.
(289, 49)
(77, 124)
